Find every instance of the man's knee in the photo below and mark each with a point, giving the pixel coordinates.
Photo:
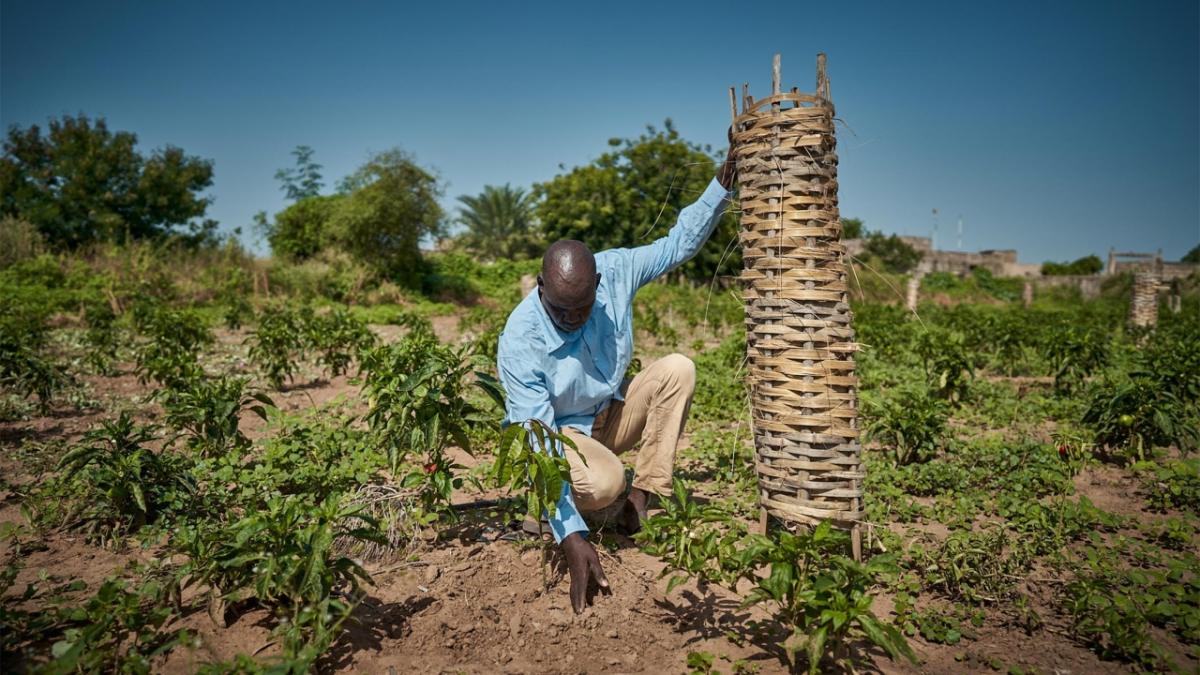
(682, 370)
(605, 485)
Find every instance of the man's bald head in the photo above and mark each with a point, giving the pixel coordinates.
(568, 283)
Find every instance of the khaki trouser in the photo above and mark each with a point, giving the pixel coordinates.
(654, 410)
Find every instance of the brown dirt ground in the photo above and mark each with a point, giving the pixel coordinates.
(473, 603)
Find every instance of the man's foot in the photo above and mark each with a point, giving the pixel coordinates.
(634, 511)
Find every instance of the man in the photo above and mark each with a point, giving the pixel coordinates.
(562, 359)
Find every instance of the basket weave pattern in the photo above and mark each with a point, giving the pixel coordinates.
(800, 343)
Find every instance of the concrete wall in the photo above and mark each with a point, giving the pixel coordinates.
(1004, 263)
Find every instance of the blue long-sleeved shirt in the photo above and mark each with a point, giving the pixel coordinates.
(566, 379)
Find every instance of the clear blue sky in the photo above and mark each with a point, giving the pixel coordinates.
(1058, 129)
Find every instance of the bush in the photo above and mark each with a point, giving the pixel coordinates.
(208, 412)
(338, 339)
(822, 596)
(417, 390)
(896, 255)
(19, 240)
(1137, 415)
(24, 365)
(301, 230)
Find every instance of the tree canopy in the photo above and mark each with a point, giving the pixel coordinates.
(80, 182)
(390, 205)
(304, 180)
(852, 228)
(1192, 256)
(632, 194)
(500, 223)
(1089, 264)
(896, 255)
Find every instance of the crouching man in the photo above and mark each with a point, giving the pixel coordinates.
(562, 360)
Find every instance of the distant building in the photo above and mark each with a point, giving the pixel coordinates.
(1001, 263)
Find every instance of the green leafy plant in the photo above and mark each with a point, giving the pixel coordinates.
(1173, 484)
(168, 354)
(1138, 415)
(113, 483)
(418, 407)
(102, 335)
(522, 464)
(283, 557)
(279, 343)
(696, 540)
(1074, 353)
(908, 421)
(208, 412)
(1113, 607)
(119, 629)
(948, 364)
(24, 366)
(338, 339)
(821, 595)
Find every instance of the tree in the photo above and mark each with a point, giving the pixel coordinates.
(1192, 256)
(82, 183)
(305, 179)
(499, 223)
(633, 194)
(390, 204)
(852, 228)
(896, 255)
(1089, 264)
(301, 230)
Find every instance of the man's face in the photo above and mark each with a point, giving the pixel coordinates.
(568, 305)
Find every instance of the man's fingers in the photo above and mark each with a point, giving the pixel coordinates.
(598, 573)
(578, 590)
(579, 593)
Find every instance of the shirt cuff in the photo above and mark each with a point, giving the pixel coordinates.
(714, 194)
(566, 519)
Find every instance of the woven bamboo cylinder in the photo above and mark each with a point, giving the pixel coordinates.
(800, 343)
(1143, 306)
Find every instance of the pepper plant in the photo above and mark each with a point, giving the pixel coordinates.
(820, 594)
(417, 390)
(208, 412)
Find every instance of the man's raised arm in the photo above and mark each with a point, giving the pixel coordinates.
(687, 236)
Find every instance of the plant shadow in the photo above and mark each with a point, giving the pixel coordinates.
(369, 625)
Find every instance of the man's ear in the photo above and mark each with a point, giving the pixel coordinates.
(539, 281)
(597, 280)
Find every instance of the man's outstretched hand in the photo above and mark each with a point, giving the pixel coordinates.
(584, 565)
(727, 172)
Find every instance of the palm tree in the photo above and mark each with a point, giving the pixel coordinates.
(500, 222)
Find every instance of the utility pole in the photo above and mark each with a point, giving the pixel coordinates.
(933, 243)
(960, 232)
